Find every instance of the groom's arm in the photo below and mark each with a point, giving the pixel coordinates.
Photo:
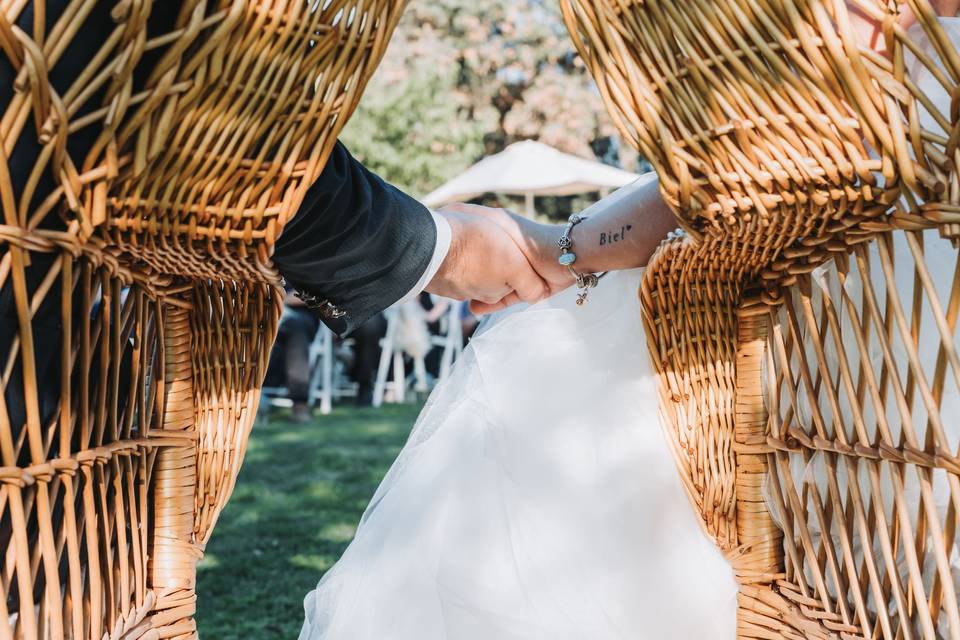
(358, 244)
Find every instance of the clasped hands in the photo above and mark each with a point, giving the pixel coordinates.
(497, 259)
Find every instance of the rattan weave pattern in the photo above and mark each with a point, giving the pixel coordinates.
(804, 350)
(144, 177)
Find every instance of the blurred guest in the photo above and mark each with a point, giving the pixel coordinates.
(437, 316)
(298, 326)
(413, 339)
(366, 344)
(412, 334)
(468, 322)
(435, 308)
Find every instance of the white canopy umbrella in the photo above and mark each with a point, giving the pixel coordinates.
(530, 169)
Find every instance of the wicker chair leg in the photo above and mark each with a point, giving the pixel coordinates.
(760, 553)
(769, 605)
(175, 555)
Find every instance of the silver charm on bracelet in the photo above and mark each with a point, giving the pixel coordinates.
(585, 281)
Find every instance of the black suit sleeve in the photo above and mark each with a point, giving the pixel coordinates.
(357, 244)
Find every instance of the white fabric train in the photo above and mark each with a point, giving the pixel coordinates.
(535, 500)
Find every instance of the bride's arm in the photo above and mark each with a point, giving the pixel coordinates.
(621, 231)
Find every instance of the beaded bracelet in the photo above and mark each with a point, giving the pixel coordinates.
(585, 281)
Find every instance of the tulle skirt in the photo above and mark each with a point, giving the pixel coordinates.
(536, 499)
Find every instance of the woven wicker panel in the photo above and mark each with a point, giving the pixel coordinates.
(233, 329)
(863, 391)
(233, 124)
(78, 448)
(144, 178)
(781, 143)
(692, 342)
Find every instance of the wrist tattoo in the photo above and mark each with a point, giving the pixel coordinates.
(609, 237)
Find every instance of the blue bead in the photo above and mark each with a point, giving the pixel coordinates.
(568, 259)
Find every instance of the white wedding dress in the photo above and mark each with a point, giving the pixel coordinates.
(536, 499)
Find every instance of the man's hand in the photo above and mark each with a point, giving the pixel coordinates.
(537, 242)
(485, 264)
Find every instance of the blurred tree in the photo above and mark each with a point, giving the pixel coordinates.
(406, 131)
(465, 78)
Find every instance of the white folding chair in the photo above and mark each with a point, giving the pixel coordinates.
(389, 353)
(321, 370)
(321, 362)
(328, 378)
(451, 339)
(393, 353)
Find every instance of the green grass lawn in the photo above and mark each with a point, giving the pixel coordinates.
(296, 506)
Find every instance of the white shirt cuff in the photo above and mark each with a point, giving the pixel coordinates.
(444, 236)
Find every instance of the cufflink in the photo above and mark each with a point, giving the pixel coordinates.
(321, 306)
